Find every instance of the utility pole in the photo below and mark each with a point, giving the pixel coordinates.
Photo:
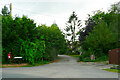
(10, 9)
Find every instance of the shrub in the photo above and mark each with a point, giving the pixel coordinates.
(100, 40)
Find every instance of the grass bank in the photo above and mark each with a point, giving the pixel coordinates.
(74, 55)
(113, 70)
(26, 64)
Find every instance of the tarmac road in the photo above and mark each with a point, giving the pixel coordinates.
(66, 67)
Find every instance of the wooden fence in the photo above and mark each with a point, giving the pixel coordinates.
(114, 56)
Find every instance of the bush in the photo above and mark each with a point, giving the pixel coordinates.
(100, 40)
(33, 52)
(102, 58)
(86, 58)
(21, 37)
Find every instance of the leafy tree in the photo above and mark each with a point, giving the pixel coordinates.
(115, 7)
(101, 33)
(101, 39)
(54, 40)
(90, 23)
(21, 37)
(33, 51)
(5, 11)
(72, 25)
(14, 32)
(110, 17)
(25, 27)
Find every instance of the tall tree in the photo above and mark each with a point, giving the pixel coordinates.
(115, 7)
(5, 11)
(54, 40)
(72, 25)
(101, 39)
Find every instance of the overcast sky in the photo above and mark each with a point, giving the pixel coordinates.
(58, 11)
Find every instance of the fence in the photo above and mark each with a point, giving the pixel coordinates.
(114, 56)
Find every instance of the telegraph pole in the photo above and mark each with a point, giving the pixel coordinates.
(10, 9)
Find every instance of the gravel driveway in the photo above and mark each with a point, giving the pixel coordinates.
(66, 67)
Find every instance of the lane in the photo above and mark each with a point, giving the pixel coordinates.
(67, 67)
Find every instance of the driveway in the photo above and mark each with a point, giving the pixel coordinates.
(66, 67)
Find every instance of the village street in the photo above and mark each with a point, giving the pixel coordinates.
(66, 67)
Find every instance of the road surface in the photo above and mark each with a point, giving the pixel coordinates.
(66, 67)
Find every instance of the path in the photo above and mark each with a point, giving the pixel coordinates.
(67, 67)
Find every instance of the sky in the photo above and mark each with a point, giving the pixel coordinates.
(56, 11)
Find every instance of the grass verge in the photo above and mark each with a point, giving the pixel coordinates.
(112, 70)
(74, 55)
(25, 64)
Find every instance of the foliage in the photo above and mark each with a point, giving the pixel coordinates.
(86, 58)
(75, 55)
(101, 33)
(90, 23)
(14, 32)
(54, 41)
(109, 17)
(33, 52)
(21, 37)
(72, 25)
(5, 11)
(101, 39)
(102, 58)
(115, 7)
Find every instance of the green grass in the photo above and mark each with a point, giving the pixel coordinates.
(113, 70)
(29, 65)
(16, 66)
(74, 55)
(84, 58)
(42, 63)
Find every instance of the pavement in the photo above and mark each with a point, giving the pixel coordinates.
(66, 67)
